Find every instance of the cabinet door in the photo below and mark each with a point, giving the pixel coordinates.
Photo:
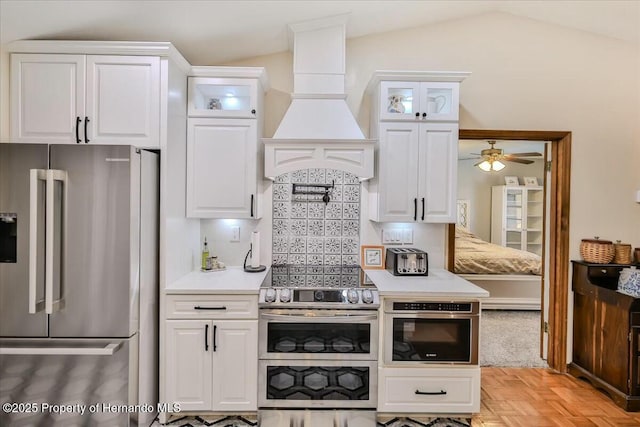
(235, 365)
(438, 172)
(123, 100)
(47, 97)
(399, 100)
(585, 324)
(221, 168)
(221, 97)
(612, 342)
(188, 353)
(439, 101)
(398, 172)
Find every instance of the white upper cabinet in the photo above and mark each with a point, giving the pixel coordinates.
(222, 97)
(416, 178)
(47, 97)
(222, 177)
(224, 151)
(421, 101)
(438, 172)
(123, 100)
(397, 175)
(85, 99)
(415, 117)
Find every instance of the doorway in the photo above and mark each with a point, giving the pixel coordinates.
(558, 248)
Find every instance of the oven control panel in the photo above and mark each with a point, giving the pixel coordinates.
(427, 306)
(318, 297)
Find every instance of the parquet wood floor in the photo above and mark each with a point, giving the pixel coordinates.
(539, 397)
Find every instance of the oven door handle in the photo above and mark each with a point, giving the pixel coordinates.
(313, 319)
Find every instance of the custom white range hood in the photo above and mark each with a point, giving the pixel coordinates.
(318, 130)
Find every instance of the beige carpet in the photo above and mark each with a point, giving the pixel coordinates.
(510, 339)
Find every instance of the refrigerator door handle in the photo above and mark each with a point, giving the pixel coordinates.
(34, 175)
(53, 175)
(108, 350)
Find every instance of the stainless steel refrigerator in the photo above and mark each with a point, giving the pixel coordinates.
(78, 285)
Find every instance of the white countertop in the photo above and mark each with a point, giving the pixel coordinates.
(439, 283)
(233, 280)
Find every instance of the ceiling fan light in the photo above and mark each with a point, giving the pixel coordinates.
(485, 166)
(497, 165)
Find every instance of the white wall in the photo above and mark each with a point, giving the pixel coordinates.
(525, 75)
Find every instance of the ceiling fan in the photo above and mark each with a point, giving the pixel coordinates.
(492, 158)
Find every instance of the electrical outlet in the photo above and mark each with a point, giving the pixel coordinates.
(235, 233)
(407, 236)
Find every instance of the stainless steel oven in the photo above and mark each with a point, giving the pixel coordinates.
(318, 339)
(318, 358)
(317, 384)
(318, 334)
(431, 332)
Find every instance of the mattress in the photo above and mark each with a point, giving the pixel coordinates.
(475, 256)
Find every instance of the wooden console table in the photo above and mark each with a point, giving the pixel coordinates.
(606, 333)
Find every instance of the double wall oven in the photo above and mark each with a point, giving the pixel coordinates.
(318, 342)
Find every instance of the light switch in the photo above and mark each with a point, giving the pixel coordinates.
(235, 233)
(407, 236)
(389, 236)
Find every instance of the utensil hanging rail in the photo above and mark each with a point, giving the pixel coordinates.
(298, 188)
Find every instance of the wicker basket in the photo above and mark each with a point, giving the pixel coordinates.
(597, 251)
(622, 253)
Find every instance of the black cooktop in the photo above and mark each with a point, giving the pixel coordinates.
(314, 276)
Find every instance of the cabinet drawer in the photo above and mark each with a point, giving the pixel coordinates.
(211, 306)
(436, 390)
(602, 272)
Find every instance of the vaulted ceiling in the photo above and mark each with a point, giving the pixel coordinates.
(215, 32)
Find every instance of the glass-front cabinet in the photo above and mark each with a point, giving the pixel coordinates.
(518, 217)
(419, 100)
(222, 97)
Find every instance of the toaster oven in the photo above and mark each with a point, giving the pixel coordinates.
(407, 262)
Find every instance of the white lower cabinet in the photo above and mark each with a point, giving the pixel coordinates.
(235, 365)
(189, 367)
(211, 363)
(429, 390)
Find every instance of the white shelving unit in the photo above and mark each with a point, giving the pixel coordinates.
(517, 217)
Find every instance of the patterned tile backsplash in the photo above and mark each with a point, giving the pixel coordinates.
(308, 231)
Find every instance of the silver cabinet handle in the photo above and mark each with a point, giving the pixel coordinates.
(107, 350)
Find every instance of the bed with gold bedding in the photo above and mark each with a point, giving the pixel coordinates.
(512, 277)
(475, 256)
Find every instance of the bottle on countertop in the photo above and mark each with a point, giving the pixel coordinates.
(205, 255)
